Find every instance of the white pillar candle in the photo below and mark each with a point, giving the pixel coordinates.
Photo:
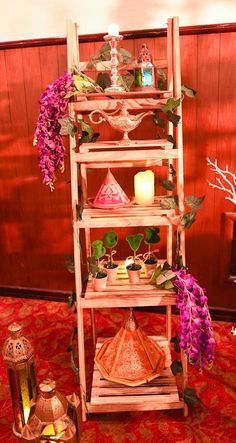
(144, 188)
(113, 30)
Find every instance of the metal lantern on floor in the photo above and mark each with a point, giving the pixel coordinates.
(19, 358)
(53, 417)
(144, 72)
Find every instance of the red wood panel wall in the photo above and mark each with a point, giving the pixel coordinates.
(36, 231)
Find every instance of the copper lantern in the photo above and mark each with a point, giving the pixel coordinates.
(53, 417)
(131, 357)
(19, 358)
(144, 72)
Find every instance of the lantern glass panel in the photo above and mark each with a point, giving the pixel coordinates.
(24, 391)
(147, 77)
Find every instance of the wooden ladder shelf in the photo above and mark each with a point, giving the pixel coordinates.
(162, 392)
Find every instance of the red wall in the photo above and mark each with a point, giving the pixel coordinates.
(36, 230)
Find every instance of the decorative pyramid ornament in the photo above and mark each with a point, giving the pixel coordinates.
(130, 358)
(110, 194)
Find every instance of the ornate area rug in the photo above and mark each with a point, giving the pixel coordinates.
(48, 325)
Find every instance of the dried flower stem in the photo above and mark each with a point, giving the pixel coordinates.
(226, 180)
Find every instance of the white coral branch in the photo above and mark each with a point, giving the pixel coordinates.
(226, 180)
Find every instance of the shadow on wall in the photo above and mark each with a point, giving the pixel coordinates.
(135, 15)
(35, 226)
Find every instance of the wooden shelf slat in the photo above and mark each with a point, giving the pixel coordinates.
(123, 294)
(161, 393)
(137, 406)
(88, 102)
(122, 301)
(113, 157)
(132, 144)
(105, 222)
(130, 215)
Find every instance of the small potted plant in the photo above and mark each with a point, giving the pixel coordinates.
(134, 268)
(110, 240)
(95, 267)
(149, 258)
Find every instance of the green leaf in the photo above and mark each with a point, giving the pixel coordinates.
(176, 367)
(125, 56)
(168, 184)
(171, 105)
(71, 300)
(67, 126)
(173, 118)
(98, 249)
(110, 239)
(152, 236)
(161, 82)
(179, 261)
(95, 137)
(176, 341)
(172, 170)
(161, 73)
(155, 275)
(86, 127)
(92, 265)
(168, 285)
(85, 84)
(104, 53)
(126, 80)
(188, 219)
(134, 241)
(169, 202)
(103, 80)
(171, 139)
(190, 92)
(86, 277)
(79, 211)
(71, 94)
(70, 265)
(164, 277)
(72, 354)
(190, 397)
(194, 202)
(166, 266)
(158, 120)
(90, 65)
(88, 136)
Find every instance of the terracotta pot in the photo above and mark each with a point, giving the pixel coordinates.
(111, 273)
(149, 268)
(134, 275)
(99, 284)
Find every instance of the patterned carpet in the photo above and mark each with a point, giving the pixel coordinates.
(48, 325)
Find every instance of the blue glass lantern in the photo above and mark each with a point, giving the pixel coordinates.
(144, 73)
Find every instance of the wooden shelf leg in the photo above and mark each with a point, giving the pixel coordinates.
(81, 352)
(93, 324)
(168, 323)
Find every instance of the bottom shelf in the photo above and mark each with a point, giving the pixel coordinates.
(160, 394)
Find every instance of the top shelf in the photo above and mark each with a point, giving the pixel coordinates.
(149, 92)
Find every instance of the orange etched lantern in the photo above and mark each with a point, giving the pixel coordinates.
(18, 356)
(130, 358)
(53, 417)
